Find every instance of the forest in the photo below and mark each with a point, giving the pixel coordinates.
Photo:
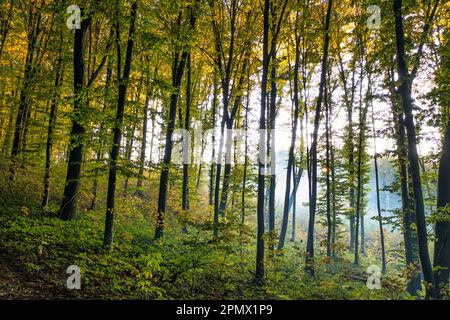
(225, 149)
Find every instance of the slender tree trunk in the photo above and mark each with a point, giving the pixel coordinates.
(309, 263)
(227, 168)
(51, 125)
(405, 92)
(442, 226)
(377, 190)
(177, 75)
(271, 143)
(185, 191)
(333, 188)
(152, 138)
(291, 158)
(26, 127)
(204, 116)
(409, 235)
(5, 25)
(67, 210)
(244, 180)
(294, 208)
(123, 84)
(140, 179)
(23, 111)
(217, 179)
(213, 153)
(129, 149)
(100, 151)
(363, 229)
(328, 170)
(230, 118)
(259, 273)
(349, 99)
(360, 173)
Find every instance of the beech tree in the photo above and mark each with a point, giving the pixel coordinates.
(322, 119)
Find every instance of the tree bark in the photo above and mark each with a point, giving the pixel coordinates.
(309, 263)
(177, 75)
(271, 141)
(409, 235)
(187, 122)
(67, 210)
(405, 92)
(244, 180)
(123, 84)
(51, 125)
(328, 170)
(259, 273)
(377, 190)
(23, 112)
(442, 226)
(100, 151)
(291, 157)
(213, 126)
(5, 25)
(360, 174)
(140, 179)
(349, 99)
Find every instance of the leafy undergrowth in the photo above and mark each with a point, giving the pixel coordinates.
(36, 249)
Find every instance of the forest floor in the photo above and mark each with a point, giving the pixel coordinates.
(17, 284)
(36, 250)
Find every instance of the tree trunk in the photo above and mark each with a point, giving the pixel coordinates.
(271, 146)
(123, 84)
(23, 111)
(259, 273)
(377, 190)
(360, 174)
(291, 157)
(185, 191)
(349, 99)
(294, 208)
(405, 92)
(409, 235)
(363, 229)
(213, 127)
(442, 226)
(328, 170)
(68, 206)
(177, 75)
(5, 25)
(99, 155)
(129, 148)
(51, 125)
(244, 180)
(229, 132)
(333, 188)
(140, 179)
(309, 263)
(217, 180)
